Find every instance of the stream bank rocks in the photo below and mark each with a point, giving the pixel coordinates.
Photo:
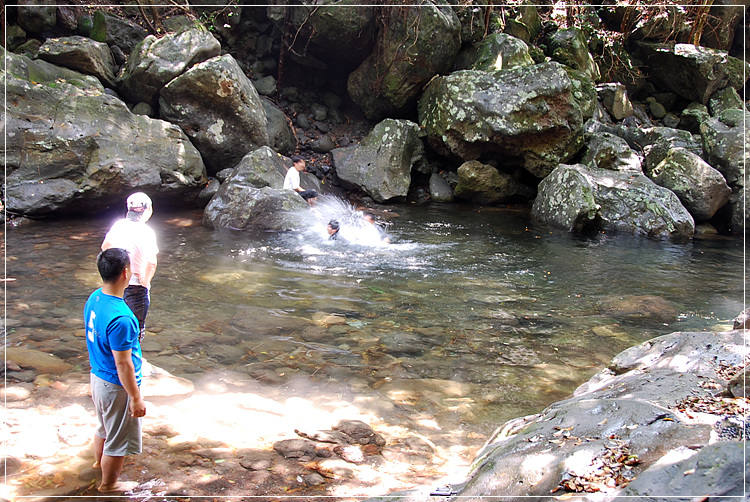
(419, 43)
(350, 440)
(157, 61)
(528, 114)
(91, 151)
(381, 164)
(514, 88)
(661, 421)
(580, 198)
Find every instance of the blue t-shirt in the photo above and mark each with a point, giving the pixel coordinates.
(110, 325)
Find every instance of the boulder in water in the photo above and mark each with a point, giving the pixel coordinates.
(579, 198)
(40, 361)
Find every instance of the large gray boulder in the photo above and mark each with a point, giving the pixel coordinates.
(81, 54)
(578, 198)
(156, 61)
(483, 184)
(251, 197)
(91, 151)
(266, 168)
(527, 114)
(243, 207)
(219, 109)
(725, 142)
(280, 134)
(701, 188)
(608, 151)
(693, 72)
(381, 164)
(262, 168)
(417, 43)
(632, 432)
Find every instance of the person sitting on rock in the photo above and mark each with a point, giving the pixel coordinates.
(292, 180)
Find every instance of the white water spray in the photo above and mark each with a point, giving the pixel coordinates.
(353, 227)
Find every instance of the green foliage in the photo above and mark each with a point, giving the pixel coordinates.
(212, 19)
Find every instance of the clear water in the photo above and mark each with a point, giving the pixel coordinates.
(469, 316)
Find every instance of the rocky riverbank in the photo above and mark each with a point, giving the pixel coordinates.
(597, 127)
(664, 419)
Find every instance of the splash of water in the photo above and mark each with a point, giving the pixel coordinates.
(145, 492)
(360, 248)
(353, 227)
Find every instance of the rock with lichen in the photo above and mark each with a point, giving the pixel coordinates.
(579, 198)
(527, 115)
(382, 163)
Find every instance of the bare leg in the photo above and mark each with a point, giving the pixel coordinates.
(98, 448)
(111, 468)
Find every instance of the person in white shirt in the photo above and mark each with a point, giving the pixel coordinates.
(292, 180)
(132, 233)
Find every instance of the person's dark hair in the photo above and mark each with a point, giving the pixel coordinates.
(334, 224)
(111, 262)
(297, 158)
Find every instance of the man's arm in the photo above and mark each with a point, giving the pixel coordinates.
(148, 273)
(126, 373)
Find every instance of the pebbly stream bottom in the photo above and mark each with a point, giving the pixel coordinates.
(467, 318)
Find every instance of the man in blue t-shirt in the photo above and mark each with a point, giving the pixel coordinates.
(115, 356)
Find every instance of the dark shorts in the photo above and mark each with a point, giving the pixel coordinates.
(138, 299)
(308, 194)
(121, 433)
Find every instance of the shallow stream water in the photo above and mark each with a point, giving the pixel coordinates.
(467, 318)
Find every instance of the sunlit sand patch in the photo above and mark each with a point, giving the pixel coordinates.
(183, 222)
(447, 394)
(245, 281)
(248, 420)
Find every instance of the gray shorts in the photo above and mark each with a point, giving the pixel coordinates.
(121, 433)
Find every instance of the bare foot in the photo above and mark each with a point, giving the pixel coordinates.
(120, 486)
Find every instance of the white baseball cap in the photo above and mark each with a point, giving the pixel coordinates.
(139, 202)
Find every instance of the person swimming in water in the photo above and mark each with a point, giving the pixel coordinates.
(374, 230)
(333, 230)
